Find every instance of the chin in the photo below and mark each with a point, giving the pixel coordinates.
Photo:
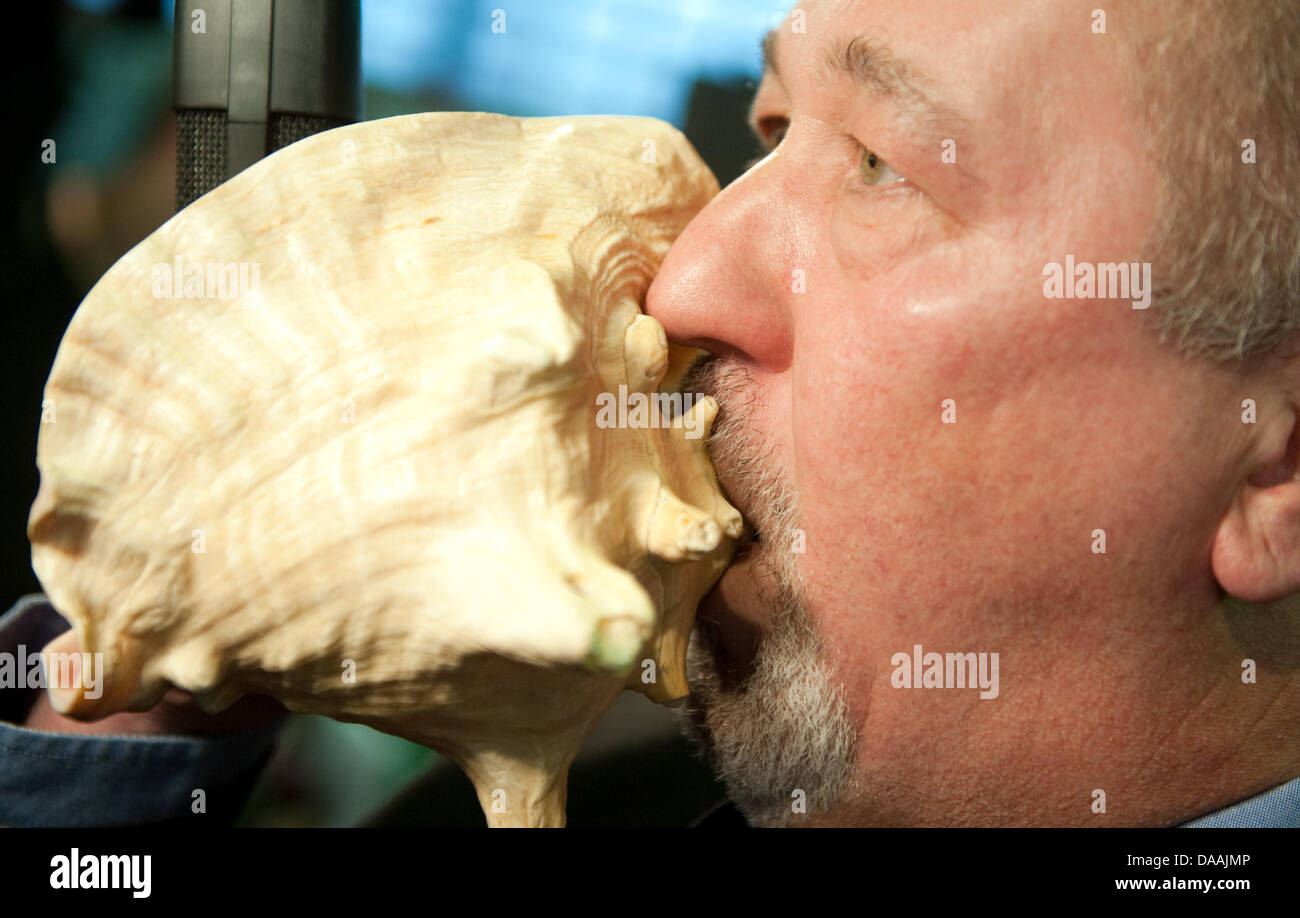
(781, 738)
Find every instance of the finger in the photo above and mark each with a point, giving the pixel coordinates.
(61, 660)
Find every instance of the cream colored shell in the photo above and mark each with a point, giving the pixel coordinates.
(367, 476)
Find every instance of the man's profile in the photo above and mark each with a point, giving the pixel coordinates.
(948, 458)
(1004, 333)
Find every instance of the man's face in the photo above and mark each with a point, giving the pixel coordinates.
(942, 440)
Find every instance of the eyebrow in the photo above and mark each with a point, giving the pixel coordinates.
(872, 66)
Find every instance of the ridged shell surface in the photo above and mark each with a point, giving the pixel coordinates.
(331, 434)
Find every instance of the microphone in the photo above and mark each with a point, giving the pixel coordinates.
(252, 76)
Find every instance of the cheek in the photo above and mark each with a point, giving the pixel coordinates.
(868, 380)
(954, 535)
(874, 232)
(898, 381)
(899, 507)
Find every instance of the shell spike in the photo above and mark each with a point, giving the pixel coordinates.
(645, 353)
(679, 531)
(696, 422)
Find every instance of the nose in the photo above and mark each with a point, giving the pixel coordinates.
(728, 281)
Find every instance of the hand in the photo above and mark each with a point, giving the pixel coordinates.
(175, 714)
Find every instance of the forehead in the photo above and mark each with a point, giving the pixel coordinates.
(985, 57)
(1042, 99)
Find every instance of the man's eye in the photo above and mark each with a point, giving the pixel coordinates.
(771, 131)
(875, 171)
(774, 135)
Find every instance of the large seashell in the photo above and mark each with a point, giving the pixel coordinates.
(359, 465)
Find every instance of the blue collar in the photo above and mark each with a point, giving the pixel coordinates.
(1275, 808)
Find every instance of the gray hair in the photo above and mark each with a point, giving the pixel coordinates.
(1225, 247)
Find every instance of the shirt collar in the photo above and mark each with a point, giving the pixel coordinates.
(1274, 808)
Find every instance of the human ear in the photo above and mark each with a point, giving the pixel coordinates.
(1256, 555)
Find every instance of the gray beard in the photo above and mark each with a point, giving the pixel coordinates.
(785, 726)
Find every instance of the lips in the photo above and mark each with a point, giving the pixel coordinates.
(748, 537)
(730, 615)
(750, 534)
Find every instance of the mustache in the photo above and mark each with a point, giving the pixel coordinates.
(744, 460)
(783, 723)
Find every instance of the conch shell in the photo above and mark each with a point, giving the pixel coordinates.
(359, 464)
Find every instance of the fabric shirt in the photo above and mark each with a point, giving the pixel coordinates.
(69, 779)
(1276, 808)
